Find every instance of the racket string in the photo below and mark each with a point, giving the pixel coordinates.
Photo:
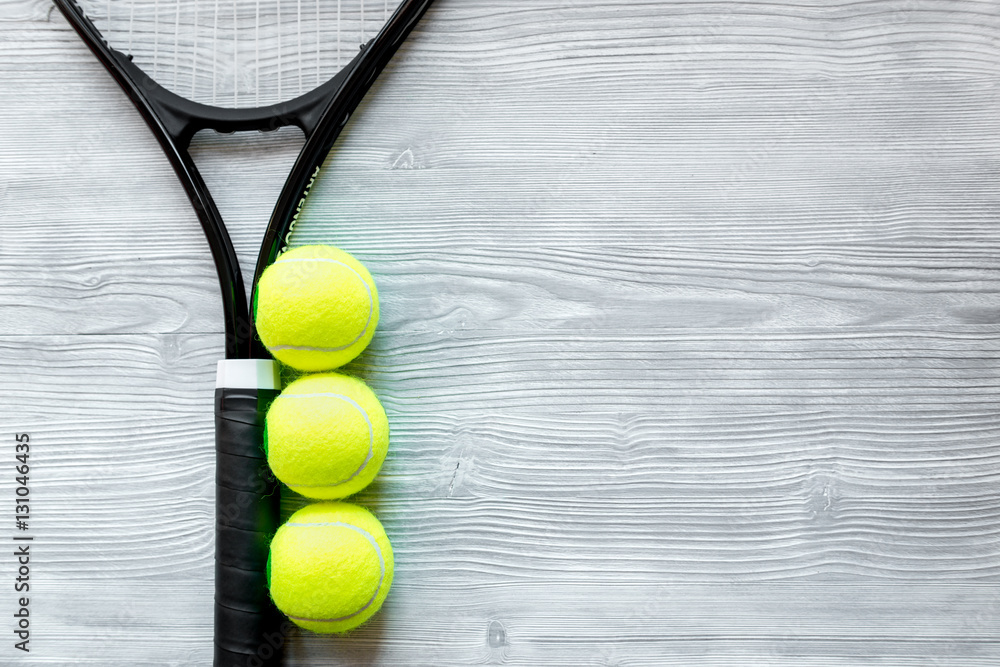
(250, 53)
(236, 52)
(215, 62)
(298, 25)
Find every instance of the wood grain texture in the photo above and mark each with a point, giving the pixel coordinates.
(500, 288)
(689, 345)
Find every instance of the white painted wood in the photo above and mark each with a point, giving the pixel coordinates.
(689, 340)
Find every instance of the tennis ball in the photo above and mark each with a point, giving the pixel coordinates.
(330, 567)
(316, 308)
(326, 435)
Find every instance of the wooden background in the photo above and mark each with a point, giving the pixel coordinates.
(689, 345)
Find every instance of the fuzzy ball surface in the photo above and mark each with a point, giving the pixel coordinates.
(330, 567)
(326, 435)
(316, 308)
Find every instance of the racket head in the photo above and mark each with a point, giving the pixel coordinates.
(245, 54)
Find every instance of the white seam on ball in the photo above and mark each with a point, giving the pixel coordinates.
(371, 437)
(381, 561)
(371, 307)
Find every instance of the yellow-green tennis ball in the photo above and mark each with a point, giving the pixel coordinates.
(330, 567)
(316, 308)
(326, 435)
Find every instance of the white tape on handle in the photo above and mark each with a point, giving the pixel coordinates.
(248, 374)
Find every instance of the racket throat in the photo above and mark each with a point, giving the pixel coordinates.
(180, 118)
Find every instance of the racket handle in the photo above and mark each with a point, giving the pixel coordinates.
(249, 631)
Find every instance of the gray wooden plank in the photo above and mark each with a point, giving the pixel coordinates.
(502, 288)
(712, 371)
(462, 625)
(24, 10)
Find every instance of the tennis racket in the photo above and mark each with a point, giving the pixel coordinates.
(192, 65)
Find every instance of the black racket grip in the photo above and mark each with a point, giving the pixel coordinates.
(249, 631)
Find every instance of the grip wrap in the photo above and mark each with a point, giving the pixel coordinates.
(249, 631)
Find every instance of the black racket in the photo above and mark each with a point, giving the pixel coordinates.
(191, 65)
